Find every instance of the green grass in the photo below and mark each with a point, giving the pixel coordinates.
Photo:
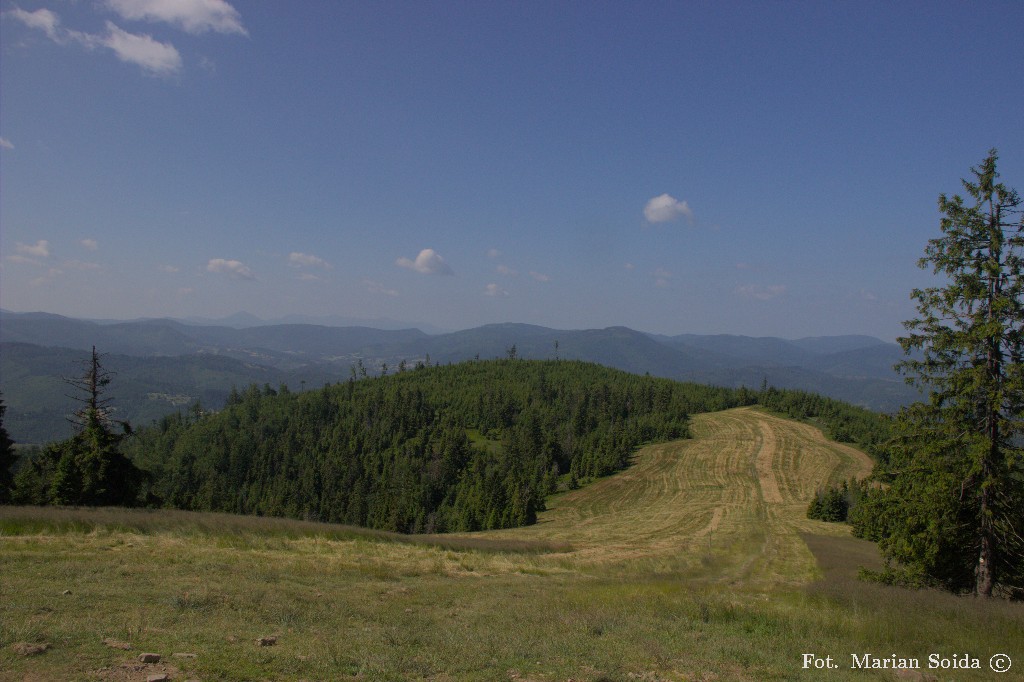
(479, 440)
(618, 581)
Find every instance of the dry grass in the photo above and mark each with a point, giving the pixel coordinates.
(685, 567)
(733, 498)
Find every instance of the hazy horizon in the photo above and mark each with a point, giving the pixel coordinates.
(243, 319)
(727, 168)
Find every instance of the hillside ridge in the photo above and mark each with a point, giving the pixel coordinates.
(856, 369)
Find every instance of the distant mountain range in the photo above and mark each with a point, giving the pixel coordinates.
(165, 364)
(244, 320)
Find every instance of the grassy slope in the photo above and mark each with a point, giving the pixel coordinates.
(693, 564)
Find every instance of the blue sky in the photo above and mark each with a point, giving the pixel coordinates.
(710, 167)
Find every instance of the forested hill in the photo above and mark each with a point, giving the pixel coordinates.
(471, 446)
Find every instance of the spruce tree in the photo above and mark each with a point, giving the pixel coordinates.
(952, 512)
(91, 469)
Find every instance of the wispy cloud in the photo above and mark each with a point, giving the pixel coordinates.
(5, 143)
(309, 277)
(540, 276)
(42, 19)
(157, 58)
(494, 290)
(428, 262)
(194, 16)
(662, 278)
(81, 265)
(305, 260)
(41, 249)
(493, 253)
(506, 270)
(170, 269)
(154, 57)
(761, 293)
(665, 208)
(378, 288)
(232, 268)
(90, 244)
(18, 258)
(51, 274)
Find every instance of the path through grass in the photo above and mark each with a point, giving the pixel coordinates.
(691, 565)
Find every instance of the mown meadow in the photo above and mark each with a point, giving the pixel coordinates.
(695, 563)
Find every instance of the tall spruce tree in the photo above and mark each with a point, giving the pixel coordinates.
(97, 472)
(952, 513)
(88, 468)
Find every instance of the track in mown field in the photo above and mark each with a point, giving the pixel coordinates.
(729, 503)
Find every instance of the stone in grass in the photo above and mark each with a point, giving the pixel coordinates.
(158, 677)
(267, 641)
(117, 644)
(29, 649)
(149, 658)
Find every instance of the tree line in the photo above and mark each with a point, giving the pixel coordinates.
(473, 446)
(467, 447)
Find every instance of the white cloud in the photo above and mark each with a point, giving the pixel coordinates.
(155, 57)
(170, 269)
(378, 288)
(90, 244)
(233, 268)
(5, 143)
(49, 23)
(194, 16)
(494, 290)
(665, 208)
(42, 19)
(630, 266)
(662, 278)
(428, 262)
(41, 249)
(158, 58)
(540, 276)
(305, 260)
(506, 270)
(761, 293)
(310, 277)
(493, 253)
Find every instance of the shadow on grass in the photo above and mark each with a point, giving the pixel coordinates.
(909, 618)
(38, 520)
